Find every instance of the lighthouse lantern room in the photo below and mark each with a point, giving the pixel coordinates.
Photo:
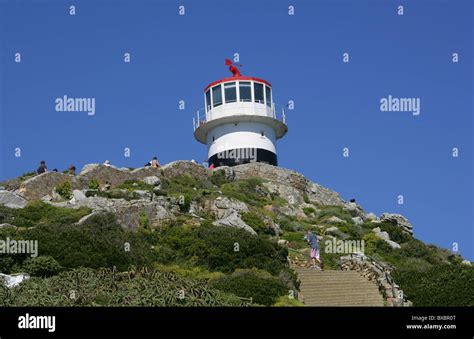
(239, 123)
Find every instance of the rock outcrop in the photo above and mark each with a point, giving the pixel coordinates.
(291, 185)
(12, 200)
(397, 220)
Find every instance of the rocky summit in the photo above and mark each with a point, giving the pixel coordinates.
(233, 233)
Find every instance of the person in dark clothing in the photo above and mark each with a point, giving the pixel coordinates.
(72, 170)
(42, 168)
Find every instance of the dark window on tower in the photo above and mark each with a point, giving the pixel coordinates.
(268, 93)
(216, 96)
(230, 91)
(258, 92)
(208, 99)
(245, 91)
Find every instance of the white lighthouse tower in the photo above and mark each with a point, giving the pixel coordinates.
(239, 123)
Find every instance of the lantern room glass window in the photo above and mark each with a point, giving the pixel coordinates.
(258, 92)
(268, 93)
(217, 96)
(208, 99)
(230, 92)
(245, 91)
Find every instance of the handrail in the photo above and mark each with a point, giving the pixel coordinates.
(203, 115)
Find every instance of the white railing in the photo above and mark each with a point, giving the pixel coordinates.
(202, 116)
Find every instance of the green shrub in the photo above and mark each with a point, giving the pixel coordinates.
(98, 242)
(253, 220)
(327, 211)
(285, 301)
(38, 213)
(374, 245)
(246, 190)
(441, 285)
(295, 239)
(263, 288)
(132, 185)
(42, 266)
(396, 234)
(218, 178)
(64, 190)
(105, 288)
(94, 184)
(218, 248)
(308, 210)
(306, 198)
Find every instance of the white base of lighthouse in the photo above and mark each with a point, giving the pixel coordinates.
(237, 143)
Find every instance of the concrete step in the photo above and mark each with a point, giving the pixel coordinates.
(337, 288)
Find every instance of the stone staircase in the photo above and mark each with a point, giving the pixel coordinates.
(337, 288)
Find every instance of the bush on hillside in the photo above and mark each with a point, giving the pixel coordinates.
(98, 242)
(246, 190)
(38, 213)
(42, 266)
(256, 222)
(88, 287)
(64, 190)
(220, 248)
(441, 285)
(263, 288)
(327, 211)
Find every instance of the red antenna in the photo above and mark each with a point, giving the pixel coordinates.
(233, 68)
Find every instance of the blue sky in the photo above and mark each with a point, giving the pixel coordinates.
(174, 57)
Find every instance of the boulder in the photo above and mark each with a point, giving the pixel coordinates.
(334, 231)
(385, 236)
(221, 207)
(397, 220)
(335, 220)
(370, 216)
(12, 200)
(284, 179)
(282, 242)
(142, 194)
(357, 220)
(392, 244)
(152, 180)
(354, 209)
(13, 279)
(78, 195)
(228, 172)
(234, 220)
(44, 184)
(7, 225)
(180, 167)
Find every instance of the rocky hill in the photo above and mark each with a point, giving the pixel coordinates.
(233, 236)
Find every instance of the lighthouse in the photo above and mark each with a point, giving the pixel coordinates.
(239, 122)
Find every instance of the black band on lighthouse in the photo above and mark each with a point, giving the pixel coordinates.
(241, 156)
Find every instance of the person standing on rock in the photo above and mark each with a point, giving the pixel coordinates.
(42, 168)
(312, 240)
